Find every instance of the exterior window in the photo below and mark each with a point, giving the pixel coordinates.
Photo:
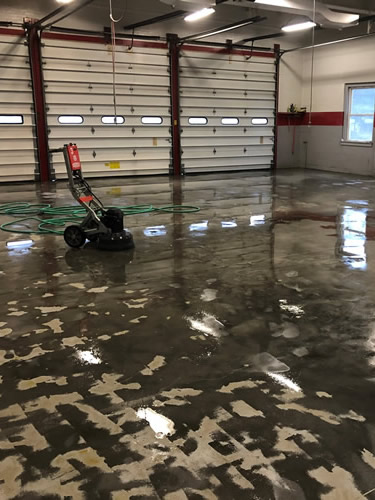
(230, 121)
(152, 120)
(198, 120)
(259, 121)
(359, 113)
(111, 120)
(11, 119)
(70, 119)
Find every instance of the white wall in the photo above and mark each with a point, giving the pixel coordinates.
(290, 90)
(318, 146)
(335, 65)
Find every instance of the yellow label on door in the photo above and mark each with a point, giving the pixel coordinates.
(113, 164)
(154, 141)
(115, 191)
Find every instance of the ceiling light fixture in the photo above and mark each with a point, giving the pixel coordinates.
(199, 14)
(64, 1)
(276, 3)
(299, 26)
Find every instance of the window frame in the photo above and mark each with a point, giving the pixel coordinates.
(349, 87)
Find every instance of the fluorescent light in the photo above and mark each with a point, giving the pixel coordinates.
(299, 27)
(19, 243)
(199, 14)
(64, 1)
(276, 3)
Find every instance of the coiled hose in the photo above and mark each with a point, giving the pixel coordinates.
(58, 217)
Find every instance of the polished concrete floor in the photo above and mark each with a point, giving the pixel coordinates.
(230, 356)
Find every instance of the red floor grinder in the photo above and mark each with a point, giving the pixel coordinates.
(103, 226)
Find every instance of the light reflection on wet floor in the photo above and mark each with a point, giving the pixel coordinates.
(230, 355)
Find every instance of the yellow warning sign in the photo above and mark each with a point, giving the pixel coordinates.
(113, 164)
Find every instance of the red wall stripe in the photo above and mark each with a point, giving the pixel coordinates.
(324, 118)
(12, 31)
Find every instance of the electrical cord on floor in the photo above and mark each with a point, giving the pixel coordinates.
(57, 217)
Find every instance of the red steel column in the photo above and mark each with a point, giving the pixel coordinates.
(35, 56)
(276, 48)
(174, 53)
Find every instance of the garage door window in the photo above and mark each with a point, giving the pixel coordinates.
(359, 113)
(112, 120)
(198, 120)
(11, 119)
(70, 119)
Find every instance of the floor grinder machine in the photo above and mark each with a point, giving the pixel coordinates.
(103, 226)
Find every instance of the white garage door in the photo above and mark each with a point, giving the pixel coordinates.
(228, 104)
(17, 131)
(79, 96)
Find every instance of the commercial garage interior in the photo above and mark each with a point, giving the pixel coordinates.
(230, 352)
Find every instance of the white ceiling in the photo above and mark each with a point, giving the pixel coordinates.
(96, 16)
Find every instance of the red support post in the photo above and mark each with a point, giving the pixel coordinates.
(35, 56)
(174, 54)
(277, 87)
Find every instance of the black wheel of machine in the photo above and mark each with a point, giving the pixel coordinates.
(74, 236)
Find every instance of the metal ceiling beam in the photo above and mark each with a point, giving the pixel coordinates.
(325, 44)
(261, 37)
(154, 20)
(64, 10)
(223, 29)
(164, 17)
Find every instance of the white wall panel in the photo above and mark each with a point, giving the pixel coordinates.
(17, 142)
(78, 78)
(219, 85)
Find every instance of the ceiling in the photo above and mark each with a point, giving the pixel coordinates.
(96, 16)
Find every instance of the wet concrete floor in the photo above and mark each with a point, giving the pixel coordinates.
(231, 355)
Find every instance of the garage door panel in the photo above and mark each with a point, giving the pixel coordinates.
(106, 99)
(70, 51)
(228, 84)
(234, 62)
(214, 87)
(228, 152)
(228, 103)
(110, 132)
(80, 74)
(11, 45)
(106, 67)
(120, 143)
(203, 95)
(95, 88)
(16, 99)
(136, 167)
(192, 142)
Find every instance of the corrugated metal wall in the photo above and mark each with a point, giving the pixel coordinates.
(78, 78)
(17, 140)
(225, 98)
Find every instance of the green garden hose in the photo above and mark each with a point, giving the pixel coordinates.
(57, 217)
